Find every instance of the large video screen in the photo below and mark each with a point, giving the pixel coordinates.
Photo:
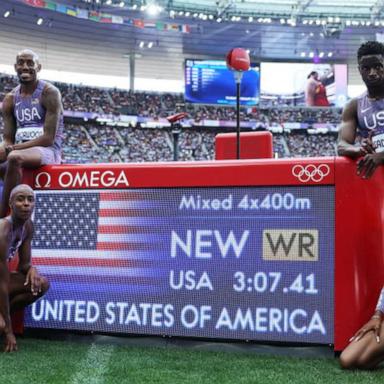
(211, 82)
(303, 84)
(247, 263)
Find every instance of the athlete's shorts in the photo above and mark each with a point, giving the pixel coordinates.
(49, 155)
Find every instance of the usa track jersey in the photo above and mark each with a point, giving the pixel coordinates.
(30, 116)
(17, 237)
(370, 117)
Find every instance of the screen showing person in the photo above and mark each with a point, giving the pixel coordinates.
(303, 84)
(315, 91)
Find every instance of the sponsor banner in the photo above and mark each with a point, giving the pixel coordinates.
(214, 173)
(104, 178)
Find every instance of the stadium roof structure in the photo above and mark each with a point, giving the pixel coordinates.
(304, 30)
(362, 10)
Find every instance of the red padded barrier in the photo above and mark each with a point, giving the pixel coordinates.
(253, 145)
(359, 248)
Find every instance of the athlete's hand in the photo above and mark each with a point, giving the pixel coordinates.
(35, 280)
(367, 146)
(373, 325)
(10, 344)
(368, 164)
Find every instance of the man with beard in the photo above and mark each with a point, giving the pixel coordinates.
(33, 125)
(364, 117)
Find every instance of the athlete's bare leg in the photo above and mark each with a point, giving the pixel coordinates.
(18, 159)
(365, 353)
(20, 295)
(2, 324)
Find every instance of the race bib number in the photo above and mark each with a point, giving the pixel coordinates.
(28, 133)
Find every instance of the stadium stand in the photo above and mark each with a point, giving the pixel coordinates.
(87, 142)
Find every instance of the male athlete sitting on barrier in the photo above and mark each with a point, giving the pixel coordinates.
(363, 116)
(33, 124)
(21, 288)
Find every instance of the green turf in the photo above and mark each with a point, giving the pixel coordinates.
(51, 362)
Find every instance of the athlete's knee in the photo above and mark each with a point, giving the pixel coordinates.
(356, 361)
(347, 361)
(15, 159)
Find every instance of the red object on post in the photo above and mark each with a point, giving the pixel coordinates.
(238, 59)
(177, 117)
(254, 145)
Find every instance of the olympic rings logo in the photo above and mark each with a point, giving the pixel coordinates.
(311, 172)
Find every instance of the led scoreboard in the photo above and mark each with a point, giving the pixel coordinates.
(211, 82)
(231, 262)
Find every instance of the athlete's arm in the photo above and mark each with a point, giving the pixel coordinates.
(9, 125)
(51, 100)
(25, 264)
(4, 275)
(347, 133)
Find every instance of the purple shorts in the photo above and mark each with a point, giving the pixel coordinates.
(49, 155)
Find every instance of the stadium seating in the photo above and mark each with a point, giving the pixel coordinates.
(87, 142)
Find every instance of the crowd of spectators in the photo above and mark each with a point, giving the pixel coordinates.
(160, 105)
(145, 145)
(303, 145)
(77, 147)
(102, 143)
(86, 144)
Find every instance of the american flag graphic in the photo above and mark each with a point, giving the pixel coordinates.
(96, 240)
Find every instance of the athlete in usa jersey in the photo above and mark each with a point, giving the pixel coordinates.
(364, 116)
(29, 114)
(23, 287)
(33, 124)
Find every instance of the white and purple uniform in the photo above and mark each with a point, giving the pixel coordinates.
(370, 117)
(17, 238)
(30, 116)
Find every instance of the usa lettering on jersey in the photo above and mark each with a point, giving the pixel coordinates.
(27, 114)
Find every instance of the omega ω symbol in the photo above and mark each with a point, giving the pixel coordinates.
(43, 180)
